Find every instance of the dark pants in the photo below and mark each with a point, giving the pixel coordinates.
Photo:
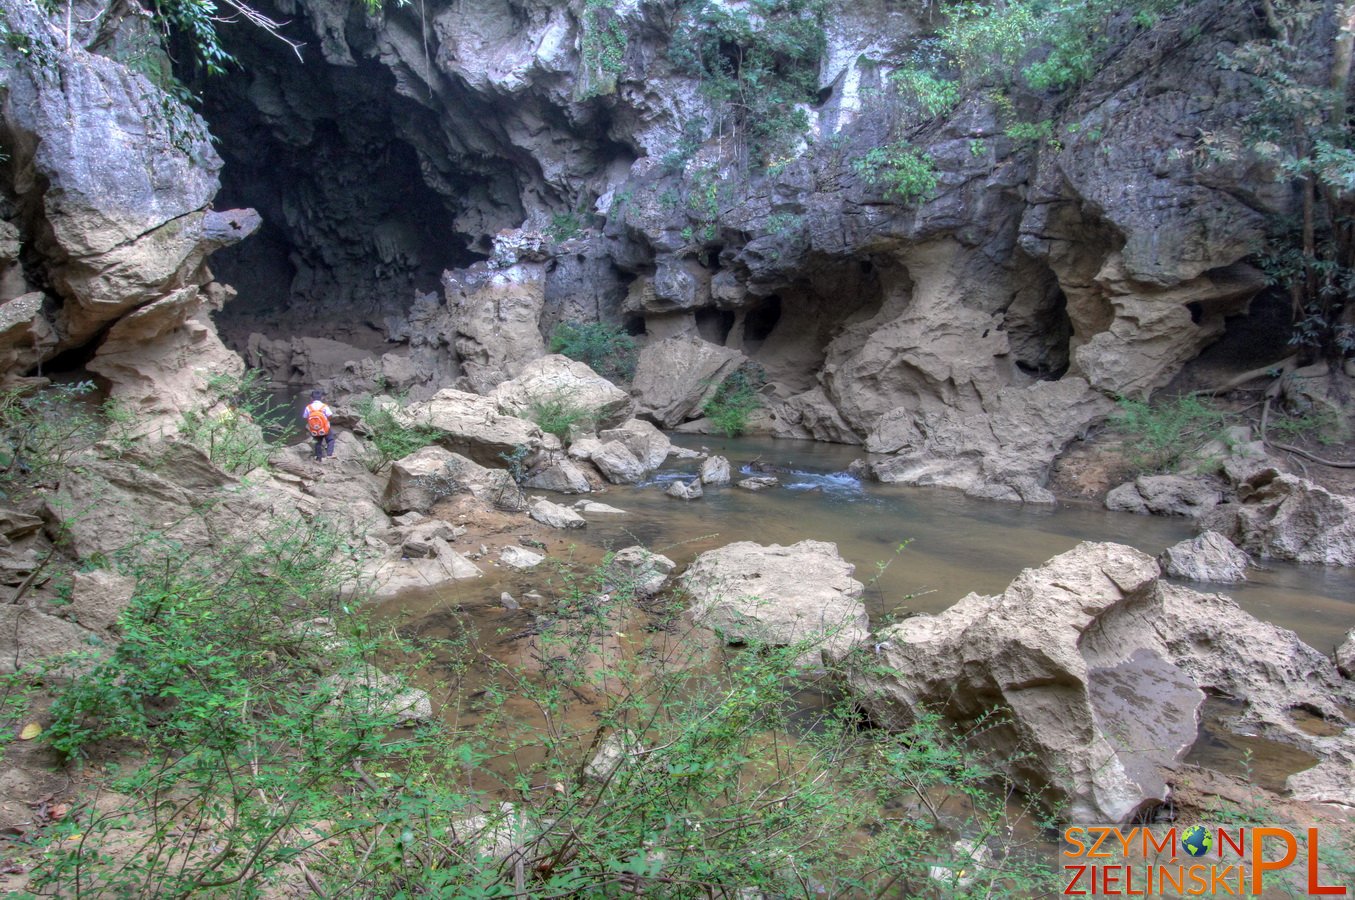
(324, 445)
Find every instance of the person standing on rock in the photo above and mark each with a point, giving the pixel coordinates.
(316, 416)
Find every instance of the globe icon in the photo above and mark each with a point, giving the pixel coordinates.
(1197, 840)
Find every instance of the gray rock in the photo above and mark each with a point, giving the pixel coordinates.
(98, 598)
(389, 578)
(779, 596)
(472, 426)
(1209, 557)
(615, 751)
(715, 471)
(520, 558)
(617, 464)
(686, 490)
(555, 515)
(433, 473)
(593, 508)
(373, 691)
(1278, 516)
(1345, 655)
(1166, 495)
(558, 380)
(759, 482)
(640, 571)
(559, 474)
(507, 602)
(646, 443)
(1100, 666)
(674, 377)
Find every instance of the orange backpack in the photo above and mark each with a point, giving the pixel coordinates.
(317, 423)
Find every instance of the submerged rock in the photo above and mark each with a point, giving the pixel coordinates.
(373, 691)
(686, 490)
(640, 571)
(1209, 557)
(1095, 667)
(520, 558)
(779, 596)
(555, 515)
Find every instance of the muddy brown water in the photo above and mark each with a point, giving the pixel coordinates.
(917, 550)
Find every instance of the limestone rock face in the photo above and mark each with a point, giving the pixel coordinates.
(779, 596)
(494, 316)
(472, 426)
(560, 380)
(1209, 557)
(1167, 495)
(434, 473)
(675, 376)
(1281, 516)
(1097, 667)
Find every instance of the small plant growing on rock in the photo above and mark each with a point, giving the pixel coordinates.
(904, 173)
(227, 430)
(604, 348)
(389, 436)
(1160, 435)
(734, 401)
(557, 413)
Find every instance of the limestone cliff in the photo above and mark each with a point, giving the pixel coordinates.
(441, 183)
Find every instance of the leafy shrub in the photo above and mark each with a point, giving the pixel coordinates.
(228, 430)
(1160, 435)
(905, 174)
(759, 60)
(557, 413)
(41, 430)
(734, 401)
(390, 437)
(931, 94)
(606, 349)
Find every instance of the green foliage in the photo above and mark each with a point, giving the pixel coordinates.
(604, 47)
(42, 430)
(734, 401)
(1161, 435)
(759, 60)
(1322, 424)
(904, 173)
(227, 429)
(391, 436)
(931, 94)
(558, 413)
(1300, 128)
(1030, 132)
(564, 226)
(604, 348)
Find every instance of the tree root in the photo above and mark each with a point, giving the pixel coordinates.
(1265, 415)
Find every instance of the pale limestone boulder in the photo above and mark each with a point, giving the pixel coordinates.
(617, 464)
(759, 482)
(559, 379)
(639, 571)
(472, 426)
(434, 473)
(779, 596)
(646, 443)
(557, 472)
(372, 691)
(555, 515)
(1209, 557)
(674, 377)
(616, 750)
(1279, 516)
(520, 558)
(686, 490)
(715, 471)
(1167, 495)
(98, 598)
(1345, 655)
(495, 319)
(1098, 668)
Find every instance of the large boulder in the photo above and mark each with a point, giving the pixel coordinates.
(555, 515)
(1167, 495)
(557, 472)
(674, 377)
(1209, 557)
(779, 596)
(387, 579)
(1089, 671)
(495, 319)
(434, 473)
(616, 463)
(715, 471)
(1279, 516)
(646, 443)
(472, 426)
(560, 381)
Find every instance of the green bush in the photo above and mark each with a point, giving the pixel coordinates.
(904, 173)
(604, 348)
(228, 430)
(557, 414)
(389, 436)
(1160, 435)
(41, 430)
(734, 401)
